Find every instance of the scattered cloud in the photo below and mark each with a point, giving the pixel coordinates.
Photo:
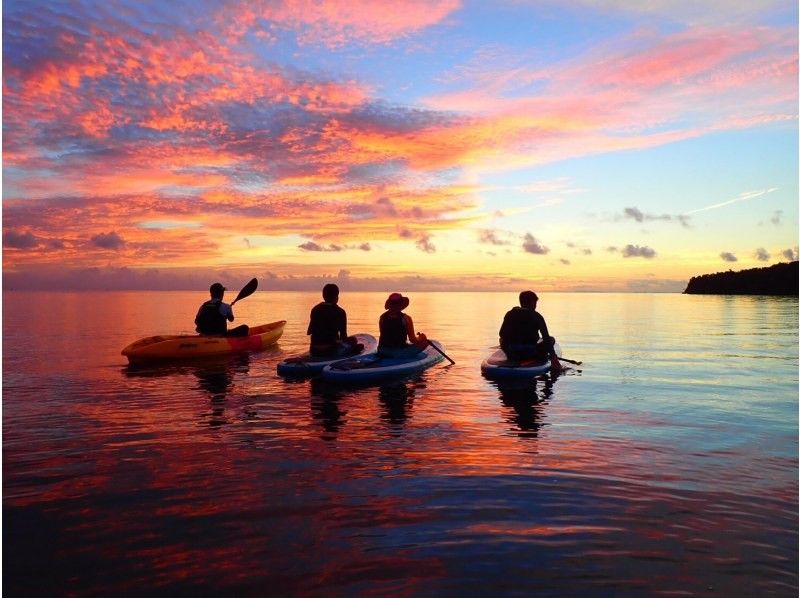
(564, 261)
(761, 254)
(639, 216)
(531, 245)
(107, 240)
(727, 256)
(491, 237)
(312, 246)
(637, 251)
(790, 254)
(424, 244)
(17, 240)
(776, 217)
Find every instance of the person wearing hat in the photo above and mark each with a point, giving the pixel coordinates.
(395, 327)
(519, 334)
(213, 316)
(328, 327)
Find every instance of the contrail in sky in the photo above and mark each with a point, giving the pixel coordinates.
(742, 197)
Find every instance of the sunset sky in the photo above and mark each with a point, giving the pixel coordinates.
(616, 145)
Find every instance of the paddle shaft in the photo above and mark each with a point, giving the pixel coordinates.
(570, 360)
(430, 344)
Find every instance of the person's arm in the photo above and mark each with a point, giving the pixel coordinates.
(343, 330)
(555, 364)
(418, 339)
(226, 311)
(410, 328)
(503, 330)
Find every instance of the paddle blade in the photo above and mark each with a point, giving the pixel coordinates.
(247, 290)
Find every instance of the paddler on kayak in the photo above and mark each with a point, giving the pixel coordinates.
(213, 316)
(328, 327)
(395, 327)
(519, 334)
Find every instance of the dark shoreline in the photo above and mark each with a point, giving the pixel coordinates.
(778, 279)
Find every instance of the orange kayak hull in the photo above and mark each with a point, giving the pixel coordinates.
(188, 346)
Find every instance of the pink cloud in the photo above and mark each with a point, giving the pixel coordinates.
(338, 22)
(655, 90)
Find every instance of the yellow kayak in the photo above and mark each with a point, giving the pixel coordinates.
(188, 346)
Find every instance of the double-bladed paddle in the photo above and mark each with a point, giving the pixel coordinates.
(247, 290)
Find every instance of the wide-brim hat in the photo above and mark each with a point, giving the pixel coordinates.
(397, 301)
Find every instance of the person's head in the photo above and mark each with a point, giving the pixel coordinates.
(330, 292)
(396, 302)
(216, 290)
(528, 299)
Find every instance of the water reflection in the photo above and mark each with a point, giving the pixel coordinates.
(397, 400)
(326, 408)
(215, 379)
(525, 401)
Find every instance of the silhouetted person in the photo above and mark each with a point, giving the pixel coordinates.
(213, 316)
(519, 334)
(395, 327)
(328, 327)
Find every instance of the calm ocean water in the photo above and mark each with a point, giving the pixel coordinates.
(666, 464)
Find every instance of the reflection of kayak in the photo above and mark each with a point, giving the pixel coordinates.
(373, 368)
(189, 346)
(498, 365)
(305, 365)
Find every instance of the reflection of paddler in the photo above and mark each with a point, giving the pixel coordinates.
(215, 380)
(527, 401)
(397, 399)
(325, 408)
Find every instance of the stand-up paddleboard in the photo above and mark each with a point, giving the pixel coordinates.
(190, 346)
(498, 366)
(375, 368)
(306, 365)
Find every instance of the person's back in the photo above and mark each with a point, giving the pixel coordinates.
(395, 327)
(209, 319)
(519, 333)
(393, 330)
(328, 326)
(521, 325)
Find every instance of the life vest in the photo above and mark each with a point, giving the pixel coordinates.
(209, 320)
(393, 331)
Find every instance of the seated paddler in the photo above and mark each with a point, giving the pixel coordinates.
(524, 334)
(397, 336)
(213, 316)
(328, 327)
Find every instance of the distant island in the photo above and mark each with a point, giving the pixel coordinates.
(778, 279)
